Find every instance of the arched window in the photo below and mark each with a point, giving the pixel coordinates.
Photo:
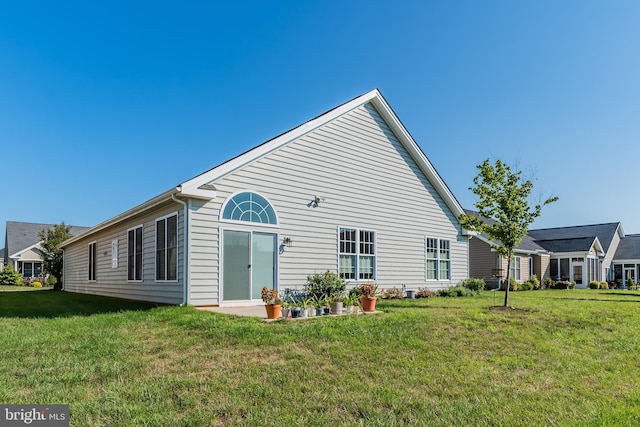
(249, 207)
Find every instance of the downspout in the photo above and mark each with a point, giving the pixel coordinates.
(185, 251)
(64, 268)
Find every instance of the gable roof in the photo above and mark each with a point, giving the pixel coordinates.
(580, 244)
(604, 233)
(24, 235)
(629, 248)
(198, 187)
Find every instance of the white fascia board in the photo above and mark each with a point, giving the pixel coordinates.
(190, 186)
(626, 261)
(196, 193)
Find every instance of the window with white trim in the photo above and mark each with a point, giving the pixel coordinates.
(437, 259)
(134, 254)
(356, 254)
(167, 248)
(249, 207)
(515, 268)
(92, 261)
(530, 266)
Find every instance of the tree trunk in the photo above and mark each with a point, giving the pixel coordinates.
(506, 287)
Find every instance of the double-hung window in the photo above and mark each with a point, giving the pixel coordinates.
(357, 254)
(134, 254)
(92, 261)
(515, 268)
(437, 259)
(167, 248)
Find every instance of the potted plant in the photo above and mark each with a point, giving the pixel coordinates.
(272, 302)
(368, 296)
(337, 304)
(304, 305)
(318, 303)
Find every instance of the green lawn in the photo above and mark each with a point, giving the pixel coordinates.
(568, 358)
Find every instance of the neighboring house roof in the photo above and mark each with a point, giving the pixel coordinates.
(580, 244)
(604, 233)
(528, 244)
(628, 248)
(199, 188)
(21, 236)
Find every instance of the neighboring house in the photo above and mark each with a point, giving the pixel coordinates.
(626, 261)
(22, 246)
(580, 253)
(348, 191)
(485, 263)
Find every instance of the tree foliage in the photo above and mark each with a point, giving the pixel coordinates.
(504, 212)
(10, 277)
(50, 240)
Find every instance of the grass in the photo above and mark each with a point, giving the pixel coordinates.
(13, 288)
(568, 358)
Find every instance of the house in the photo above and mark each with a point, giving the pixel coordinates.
(348, 191)
(580, 253)
(22, 246)
(485, 263)
(626, 260)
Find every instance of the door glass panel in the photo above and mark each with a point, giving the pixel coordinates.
(263, 269)
(235, 269)
(577, 274)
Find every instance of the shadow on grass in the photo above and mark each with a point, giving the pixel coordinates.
(49, 304)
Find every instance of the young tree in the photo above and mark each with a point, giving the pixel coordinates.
(503, 198)
(50, 240)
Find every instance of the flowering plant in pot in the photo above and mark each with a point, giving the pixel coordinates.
(368, 296)
(272, 302)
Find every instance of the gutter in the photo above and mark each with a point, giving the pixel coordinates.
(185, 269)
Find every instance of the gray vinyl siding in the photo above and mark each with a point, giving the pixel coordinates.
(482, 260)
(113, 281)
(608, 258)
(367, 180)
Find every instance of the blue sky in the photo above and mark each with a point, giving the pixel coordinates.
(105, 105)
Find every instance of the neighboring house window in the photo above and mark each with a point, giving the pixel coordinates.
(437, 259)
(249, 207)
(30, 269)
(92, 261)
(530, 266)
(166, 248)
(357, 254)
(134, 254)
(515, 268)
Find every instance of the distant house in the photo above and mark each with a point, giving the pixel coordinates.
(348, 191)
(484, 262)
(22, 246)
(580, 253)
(626, 261)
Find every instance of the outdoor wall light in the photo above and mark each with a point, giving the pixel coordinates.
(287, 242)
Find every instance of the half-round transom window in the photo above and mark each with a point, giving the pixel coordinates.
(249, 207)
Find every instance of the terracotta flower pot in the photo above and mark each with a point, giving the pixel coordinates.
(273, 311)
(368, 304)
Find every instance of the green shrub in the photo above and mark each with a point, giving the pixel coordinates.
(456, 291)
(325, 285)
(476, 285)
(549, 282)
(563, 284)
(513, 285)
(604, 285)
(525, 286)
(630, 284)
(393, 293)
(51, 280)
(36, 284)
(425, 293)
(594, 284)
(10, 277)
(534, 282)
